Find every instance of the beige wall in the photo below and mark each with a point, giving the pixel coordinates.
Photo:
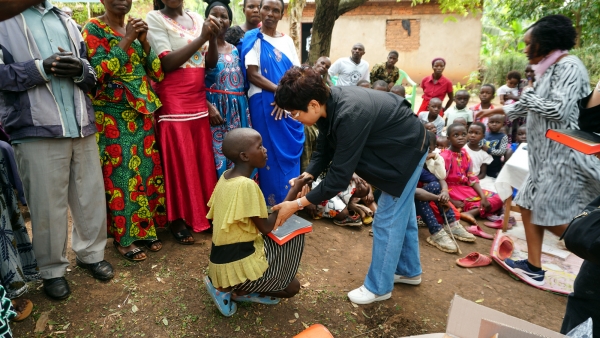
(457, 42)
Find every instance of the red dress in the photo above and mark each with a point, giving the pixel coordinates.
(439, 89)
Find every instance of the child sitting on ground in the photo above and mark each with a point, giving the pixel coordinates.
(481, 159)
(433, 115)
(521, 138)
(463, 184)
(487, 92)
(398, 90)
(461, 98)
(364, 84)
(381, 85)
(496, 144)
(245, 264)
(509, 93)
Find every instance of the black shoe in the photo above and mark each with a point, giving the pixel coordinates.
(57, 288)
(101, 270)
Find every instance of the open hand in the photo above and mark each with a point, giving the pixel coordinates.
(214, 116)
(303, 176)
(485, 204)
(278, 112)
(489, 112)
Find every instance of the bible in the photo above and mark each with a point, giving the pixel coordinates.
(582, 141)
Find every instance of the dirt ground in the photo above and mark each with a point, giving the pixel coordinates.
(164, 296)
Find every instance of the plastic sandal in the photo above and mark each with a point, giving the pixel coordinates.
(473, 260)
(130, 255)
(495, 225)
(477, 231)
(148, 244)
(181, 235)
(222, 299)
(26, 311)
(256, 298)
(505, 248)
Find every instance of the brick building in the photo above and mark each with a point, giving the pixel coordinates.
(418, 33)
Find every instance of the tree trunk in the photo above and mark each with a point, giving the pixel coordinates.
(327, 11)
(295, 8)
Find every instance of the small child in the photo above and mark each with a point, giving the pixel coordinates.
(433, 115)
(487, 92)
(245, 264)
(399, 90)
(430, 127)
(462, 121)
(529, 75)
(364, 84)
(465, 192)
(441, 143)
(496, 144)
(480, 158)
(461, 98)
(509, 93)
(520, 138)
(381, 85)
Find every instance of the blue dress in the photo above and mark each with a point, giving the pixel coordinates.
(225, 90)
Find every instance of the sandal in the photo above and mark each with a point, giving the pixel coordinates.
(221, 299)
(477, 231)
(130, 255)
(181, 235)
(350, 221)
(149, 243)
(25, 312)
(473, 260)
(255, 297)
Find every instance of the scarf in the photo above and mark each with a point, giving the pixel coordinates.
(546, 62)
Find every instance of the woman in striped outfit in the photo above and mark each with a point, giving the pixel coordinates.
(561, 180)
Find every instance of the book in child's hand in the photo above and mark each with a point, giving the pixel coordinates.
(582, 141)
(291, 228)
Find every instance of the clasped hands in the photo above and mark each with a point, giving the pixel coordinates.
(299, 187)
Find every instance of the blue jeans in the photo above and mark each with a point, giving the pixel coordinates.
(424, 209)
(395, 238)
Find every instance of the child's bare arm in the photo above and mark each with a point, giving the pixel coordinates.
(484, 202)
(482, 172)
(502, 98)
(423, 195)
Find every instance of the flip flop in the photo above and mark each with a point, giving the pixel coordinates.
(22, 314)
(181, 235)
(148, 244)
(257, 298)
(130, 255)
(222, 299)
(477, 231)
(473, 260)
(495, 224)
(505, 248)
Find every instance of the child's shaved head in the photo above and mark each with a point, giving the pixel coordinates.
(237, 141)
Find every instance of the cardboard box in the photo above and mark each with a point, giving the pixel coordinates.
(467, 319)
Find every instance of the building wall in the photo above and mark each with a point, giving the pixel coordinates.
(378, 25)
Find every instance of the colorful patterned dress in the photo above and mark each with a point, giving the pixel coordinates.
(225, 90)
(460, 179)
(124, 102)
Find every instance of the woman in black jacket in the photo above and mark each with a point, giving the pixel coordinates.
(584, 302)
(377, 136)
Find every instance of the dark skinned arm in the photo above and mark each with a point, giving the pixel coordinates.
(482, 172)
(11, 8)
(212, 56)
(502, 99)
(423, 195)
(449, 103)
(484, 202)
(258, 80)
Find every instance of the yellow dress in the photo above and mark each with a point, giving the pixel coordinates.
(232, 204)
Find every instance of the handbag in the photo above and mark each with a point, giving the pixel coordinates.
(582, 236)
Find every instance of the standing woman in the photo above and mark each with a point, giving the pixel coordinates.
(124, 102)
(561, 180)
(266, 55)
(252, 12)
(436, 85)
(179, 37)
(225, 85)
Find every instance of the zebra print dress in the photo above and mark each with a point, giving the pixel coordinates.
(561, 181)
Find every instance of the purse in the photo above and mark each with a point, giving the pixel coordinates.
(582, 236)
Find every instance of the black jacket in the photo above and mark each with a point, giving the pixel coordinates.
(372, 133)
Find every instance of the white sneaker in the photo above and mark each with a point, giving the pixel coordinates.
(364, 296)
(407, 280)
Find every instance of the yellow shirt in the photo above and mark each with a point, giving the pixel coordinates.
(232, 204)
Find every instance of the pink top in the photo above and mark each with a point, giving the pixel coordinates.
(458, 168)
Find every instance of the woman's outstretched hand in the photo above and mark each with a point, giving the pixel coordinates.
(302, 176)
(278, 112)
(490, 112)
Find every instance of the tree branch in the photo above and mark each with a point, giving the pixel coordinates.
(348, 5)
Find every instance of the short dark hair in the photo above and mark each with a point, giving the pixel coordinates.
(282, 6)
(363, 81)
(491, 86)
(513, 74)
(380, 83)
(298, 86)
(551, 32)
(158, 5)
(394, 52)
(478, 124)
(453, 126)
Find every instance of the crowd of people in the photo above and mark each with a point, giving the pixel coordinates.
(185, 122)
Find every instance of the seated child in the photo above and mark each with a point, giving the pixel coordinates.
(441, 143)
(487, 92)
(464, 190)
(509, 93)
(430, 127)
(496, 144)
(529, 75)
(398, 90)
(245, 264)
(433, 115)
(432, 189)
(381, 85)
(364, 83)
(462, 121)
(480, 158)
(521, 138)
(461, 98)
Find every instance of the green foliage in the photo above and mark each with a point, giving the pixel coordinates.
(460, 7)
(456, 87)
(589, 56)
(495, 69)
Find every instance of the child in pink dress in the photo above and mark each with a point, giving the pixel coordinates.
(464, 190)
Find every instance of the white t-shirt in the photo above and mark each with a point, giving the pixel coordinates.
(453, 113)
(283, 43)
(503, 90)
(478, 158)
(348, 72)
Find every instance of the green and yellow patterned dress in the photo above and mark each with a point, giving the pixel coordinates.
(124, 102)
